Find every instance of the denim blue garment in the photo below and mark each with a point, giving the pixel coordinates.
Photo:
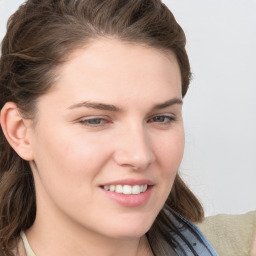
(189, 241)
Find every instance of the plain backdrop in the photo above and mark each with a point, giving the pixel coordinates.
(220, 108)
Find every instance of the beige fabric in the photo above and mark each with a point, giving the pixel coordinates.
(26, 245)
(231, 235)
(20, 251)
(253, 252)
(24, 248)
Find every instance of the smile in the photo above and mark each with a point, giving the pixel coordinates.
(126, 189)
(129, 192)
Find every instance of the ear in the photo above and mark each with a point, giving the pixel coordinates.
(15, 129)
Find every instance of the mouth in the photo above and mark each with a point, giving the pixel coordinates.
(129, 192)
(127, 189)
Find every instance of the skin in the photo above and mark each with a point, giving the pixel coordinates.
(72, 158)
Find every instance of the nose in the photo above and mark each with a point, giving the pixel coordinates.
(134, 149)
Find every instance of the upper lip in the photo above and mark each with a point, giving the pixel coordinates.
(131, 182)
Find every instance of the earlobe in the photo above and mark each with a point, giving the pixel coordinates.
(15, 130)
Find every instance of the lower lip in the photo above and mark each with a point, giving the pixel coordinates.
(130, 200)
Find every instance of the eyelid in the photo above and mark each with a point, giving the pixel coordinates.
(171, 118)
(85, 121)
(105, 120)
(164, 115)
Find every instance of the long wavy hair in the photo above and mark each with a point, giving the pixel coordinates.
(40, 36)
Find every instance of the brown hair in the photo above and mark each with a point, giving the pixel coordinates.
(40, 35)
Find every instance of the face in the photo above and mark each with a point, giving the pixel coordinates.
(109, 139)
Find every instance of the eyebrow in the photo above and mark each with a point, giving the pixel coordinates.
(95, 105)
(168, 103)
(113, 108)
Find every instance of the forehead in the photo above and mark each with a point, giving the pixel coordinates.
(110, 70)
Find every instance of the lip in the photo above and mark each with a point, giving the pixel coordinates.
(131, 182)
(129, 200)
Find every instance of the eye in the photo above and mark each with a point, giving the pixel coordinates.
(162, 119)
(94, 121)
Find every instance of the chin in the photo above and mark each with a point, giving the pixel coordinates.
(128, 234)
(134, 229)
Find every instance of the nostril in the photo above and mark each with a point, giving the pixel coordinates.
(134, 160)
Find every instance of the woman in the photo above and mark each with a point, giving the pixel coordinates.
(92, 134)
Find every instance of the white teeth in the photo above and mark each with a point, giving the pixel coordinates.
(112, 188)
(127, 189)
(119, 189)
(136, 189)
(106, 187)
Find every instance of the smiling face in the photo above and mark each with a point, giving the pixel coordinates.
(108, 140)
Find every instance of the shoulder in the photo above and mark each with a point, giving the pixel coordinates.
(19, 249)
(230, 235)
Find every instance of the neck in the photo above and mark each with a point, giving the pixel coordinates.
(48, 244)
(49, 237)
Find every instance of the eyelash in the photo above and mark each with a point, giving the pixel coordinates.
(169, 120)
(86, 122)
(100, 121)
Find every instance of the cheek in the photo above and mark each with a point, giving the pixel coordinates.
(66, 167)
(169, 149)
(69, 157)
(169, 152)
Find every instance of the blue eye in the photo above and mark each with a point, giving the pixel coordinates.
(94, 122)
(162, 119)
